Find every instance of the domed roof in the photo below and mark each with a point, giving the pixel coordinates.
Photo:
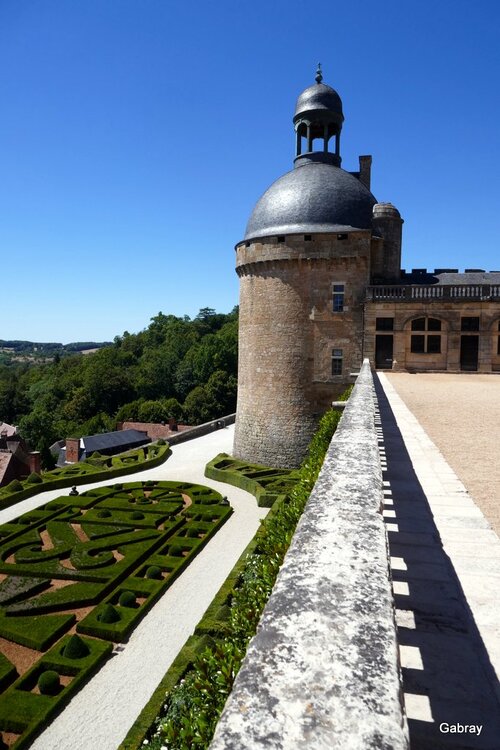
(317, 97)
(314, 197)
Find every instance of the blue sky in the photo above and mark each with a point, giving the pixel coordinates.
(136, 136)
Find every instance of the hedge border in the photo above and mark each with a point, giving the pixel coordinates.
(96, 476)
(209, 625)
(264, 496)
(99, 652)
(117, 634)
(213, 623)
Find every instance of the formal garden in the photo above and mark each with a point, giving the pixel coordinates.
(95, 468)
(76, 576)
(184, 710)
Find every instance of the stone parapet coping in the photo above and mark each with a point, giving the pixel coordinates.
(201, 429)
(323, 669)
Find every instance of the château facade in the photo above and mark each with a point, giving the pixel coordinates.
(321, 288)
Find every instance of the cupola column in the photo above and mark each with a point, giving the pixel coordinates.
(309, 137)
(318, 116)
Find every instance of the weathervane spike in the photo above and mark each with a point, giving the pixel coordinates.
(319, 74)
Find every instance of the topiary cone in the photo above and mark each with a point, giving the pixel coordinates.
(108, 614)
(75, 648)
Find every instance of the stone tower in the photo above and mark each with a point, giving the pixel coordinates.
(304, 265)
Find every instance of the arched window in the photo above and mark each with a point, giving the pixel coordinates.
(426, 336)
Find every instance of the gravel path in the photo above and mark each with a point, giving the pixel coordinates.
(100, 715)
(461, 415)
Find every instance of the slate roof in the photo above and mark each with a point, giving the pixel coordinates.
(5, 459)
(113, 440)
(445, 277)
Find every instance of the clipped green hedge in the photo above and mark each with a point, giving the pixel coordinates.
(99, 577)
(25, 712)
(129, 617)
(8, 672)
(35, 632)
(186, 717)
(266, 484)
(66, 477)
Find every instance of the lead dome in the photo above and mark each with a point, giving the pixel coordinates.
(314, 197)
(317, 195)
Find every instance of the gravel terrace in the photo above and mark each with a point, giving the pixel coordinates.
(461, 415)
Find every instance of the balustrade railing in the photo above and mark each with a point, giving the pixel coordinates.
(409, 292)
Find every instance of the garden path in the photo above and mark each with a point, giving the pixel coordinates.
(100, 715)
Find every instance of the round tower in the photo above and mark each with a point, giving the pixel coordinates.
(388, 224)
(303, 264)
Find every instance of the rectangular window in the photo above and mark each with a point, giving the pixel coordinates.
(470, 324)
(418, 344)
(338, 298)
(337, 356)
(385, 324)
(433, 344)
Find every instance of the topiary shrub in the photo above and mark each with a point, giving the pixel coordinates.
(137, 515)
(175, 550)
(127, 599)
(103, 513)
(34, 478)
(161, 441)
(109, 614)
(75, 648)
(48, 683)
(153, 572)
(15, 486)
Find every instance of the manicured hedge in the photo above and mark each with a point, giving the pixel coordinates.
(23, 711)
(81, 473)
(187, 717)
(266, 484)
(35, 632)
(8, 672)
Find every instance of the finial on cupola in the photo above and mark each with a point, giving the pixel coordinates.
(319, 74)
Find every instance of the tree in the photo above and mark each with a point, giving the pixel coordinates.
(198, 407)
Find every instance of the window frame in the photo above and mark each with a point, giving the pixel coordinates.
(336, 359)
(423, 330)
(338, 294)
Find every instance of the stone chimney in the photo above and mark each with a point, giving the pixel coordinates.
(72, 450)
(34, 462)
(365, 170)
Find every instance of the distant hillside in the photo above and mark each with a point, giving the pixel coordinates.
(28, 347)
(176, 367)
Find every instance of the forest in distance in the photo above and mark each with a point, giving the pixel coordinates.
(176, 367)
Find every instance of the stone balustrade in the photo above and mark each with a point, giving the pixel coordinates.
(323, 669)
(430, 292)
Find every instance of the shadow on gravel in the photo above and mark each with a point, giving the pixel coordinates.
(447, 675)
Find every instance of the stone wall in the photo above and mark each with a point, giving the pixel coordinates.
(287, 333)
(323, 669)
(450, 313)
